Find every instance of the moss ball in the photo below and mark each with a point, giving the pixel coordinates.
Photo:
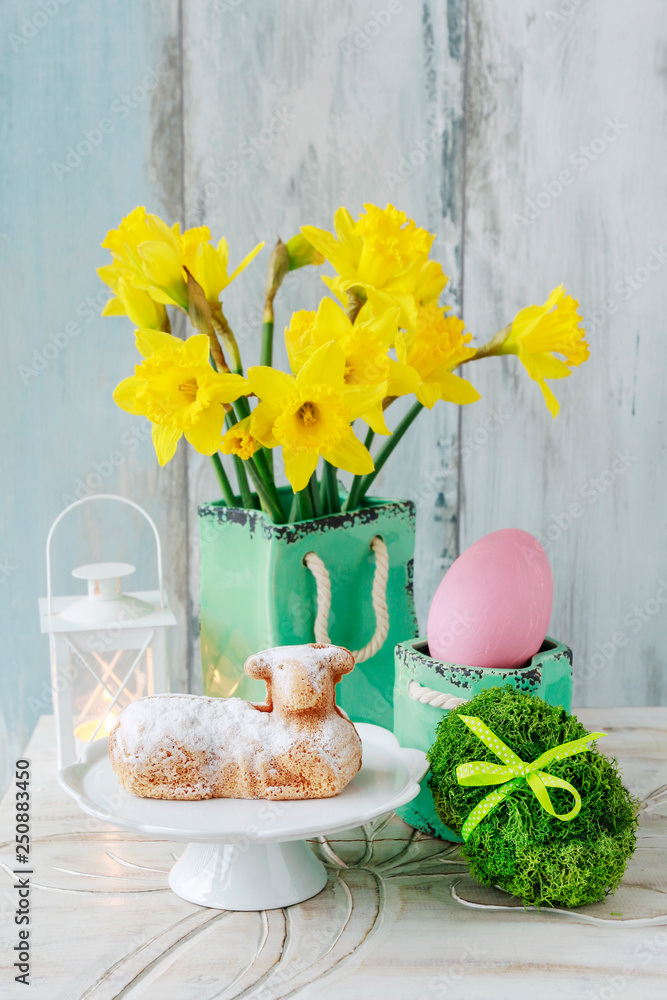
(518, 846)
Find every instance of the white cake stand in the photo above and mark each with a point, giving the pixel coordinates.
(250, 854)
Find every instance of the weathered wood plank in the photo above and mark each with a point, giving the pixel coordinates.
(583, 92)
(62, 74)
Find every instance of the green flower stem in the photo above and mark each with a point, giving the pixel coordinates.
(267, 454)
(270, 504)
(305, 504)
(247, 499)
(315, 495)
(388, 447)
(330, 482)
(264, 460)
(266, 355)
(324, 492)
(241, 408)
(261, 461)
(294, 509)
(353, 496)
(225, 485)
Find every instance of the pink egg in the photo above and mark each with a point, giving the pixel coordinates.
(493, 606)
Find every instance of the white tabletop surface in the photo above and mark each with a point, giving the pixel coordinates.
(399, 918)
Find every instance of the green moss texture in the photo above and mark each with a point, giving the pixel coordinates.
(518, 846)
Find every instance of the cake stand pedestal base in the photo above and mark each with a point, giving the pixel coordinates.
(247, 876)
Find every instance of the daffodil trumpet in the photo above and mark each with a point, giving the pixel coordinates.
(379, 336)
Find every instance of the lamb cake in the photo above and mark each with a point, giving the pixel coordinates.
(297, 745)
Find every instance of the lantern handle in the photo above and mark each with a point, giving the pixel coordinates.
(101, 496)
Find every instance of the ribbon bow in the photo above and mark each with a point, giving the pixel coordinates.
(514, 773)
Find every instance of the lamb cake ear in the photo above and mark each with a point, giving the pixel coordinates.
(343, 663)
(257, 666)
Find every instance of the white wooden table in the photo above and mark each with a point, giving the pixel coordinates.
(399, 918)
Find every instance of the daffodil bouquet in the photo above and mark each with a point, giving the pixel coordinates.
(380, 335)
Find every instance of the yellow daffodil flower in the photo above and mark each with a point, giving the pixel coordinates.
(364, 343)
(301, 253)
(208, 264)
(162, 273)
(145, 249)
(179, 392)
(130, 301)
(239, 440)
(136, 228)
(436, 347)
(382, 257)
(311, 414)
(151, 256)
(538, 331)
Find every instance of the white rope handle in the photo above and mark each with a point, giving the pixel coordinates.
(323, 585)
(427, 696)
(378, 597)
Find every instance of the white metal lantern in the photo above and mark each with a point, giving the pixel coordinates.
(107, 648)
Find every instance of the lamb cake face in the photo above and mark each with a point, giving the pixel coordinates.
(297, 745)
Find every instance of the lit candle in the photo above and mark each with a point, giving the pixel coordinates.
(84, 732)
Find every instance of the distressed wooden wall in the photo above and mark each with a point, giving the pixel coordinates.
(463, 113)
(584, 92)
(62, 436)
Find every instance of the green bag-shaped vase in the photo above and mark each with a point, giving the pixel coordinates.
(256, 592)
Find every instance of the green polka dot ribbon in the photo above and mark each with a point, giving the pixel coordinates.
(514, 773)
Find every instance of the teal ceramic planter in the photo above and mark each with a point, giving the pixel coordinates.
(548, 675)
(256, 592)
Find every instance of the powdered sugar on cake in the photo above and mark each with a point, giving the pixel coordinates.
(174, 720)
(296, 746)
